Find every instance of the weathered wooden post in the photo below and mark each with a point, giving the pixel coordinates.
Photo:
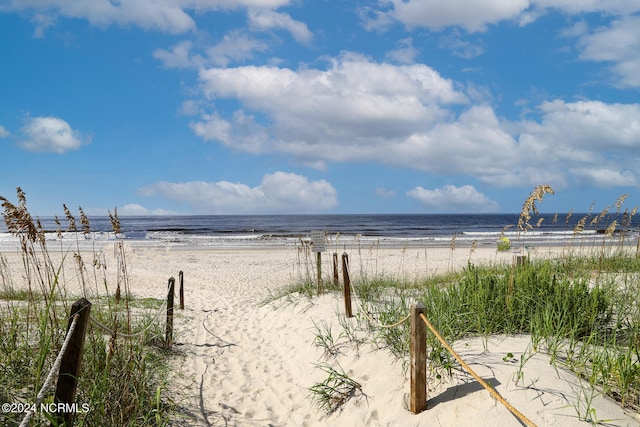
(169, 331)
(347, 285)
(319, 271)
(418, 361)
(70, 363)
(336, 279)
(319, 246)
(181, 278)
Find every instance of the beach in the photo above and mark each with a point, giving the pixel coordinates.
(239, 361)
(245, 363)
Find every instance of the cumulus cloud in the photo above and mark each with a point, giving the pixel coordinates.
(51, 134)
(409, 116)
(454, 199)
(618, 44)
(3, 132)
(477, 15)
(279, 192)
(472, 15)
(354, 104)
(171, 16)
(605, 176)
(236, 46)
(261, 19)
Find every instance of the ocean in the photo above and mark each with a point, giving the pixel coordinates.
(386, 230)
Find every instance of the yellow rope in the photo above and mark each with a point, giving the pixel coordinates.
(380, 325)
(482, 382)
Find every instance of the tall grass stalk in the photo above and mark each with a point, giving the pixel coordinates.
(121, 380)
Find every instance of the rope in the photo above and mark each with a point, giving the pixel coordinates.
(366, 314)
(55, 368)
(137, 334)
(482, 382)
(380, 325)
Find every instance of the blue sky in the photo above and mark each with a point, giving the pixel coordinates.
(285, 106)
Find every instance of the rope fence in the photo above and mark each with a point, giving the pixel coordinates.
(67, 362)
(56, 366)
(418, 349)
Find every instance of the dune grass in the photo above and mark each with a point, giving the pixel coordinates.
(582, 308)
(122, 379)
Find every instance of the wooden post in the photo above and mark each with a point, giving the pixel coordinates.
(169, 332)
(336, 279)
(319, 268)
(70, 364)
(347, 285)
(418, 355)
(181, 278)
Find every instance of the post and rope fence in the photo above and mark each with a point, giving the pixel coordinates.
(67, 363)
(419, 323)
(70, 364)
(168, 342)
(181, 279)
(347, 285)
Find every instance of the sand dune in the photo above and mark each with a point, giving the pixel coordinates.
(243, 363)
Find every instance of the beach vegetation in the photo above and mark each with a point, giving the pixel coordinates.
(504, 244)
(122, 380)
(580, 307)
(335, 390)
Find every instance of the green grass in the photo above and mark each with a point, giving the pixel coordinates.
(588, 323)
(582, 308)
(122, 380)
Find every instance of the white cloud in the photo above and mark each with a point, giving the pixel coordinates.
(354, 102)
(618, 44)
(460, 47)
(179, 56)
(134, 209)
(261, 19)
(279, 192)
(472, 15)
(171, 16)
(454, 199)
(405, 53)
(51, 134)
(406, 116)
(234, 47)
(3, 132)
(476, 15)
(609, 7)
(605, 177)
(586, 128)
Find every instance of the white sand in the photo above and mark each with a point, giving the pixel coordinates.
(242, 364)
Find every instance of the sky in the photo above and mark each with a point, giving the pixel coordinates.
(318, 106)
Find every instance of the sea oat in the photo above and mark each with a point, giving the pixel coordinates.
(84, 221)
(579, 228)
(611, 228)
(619, 201)
(529, 207)
(566, 220)
(115, 221)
